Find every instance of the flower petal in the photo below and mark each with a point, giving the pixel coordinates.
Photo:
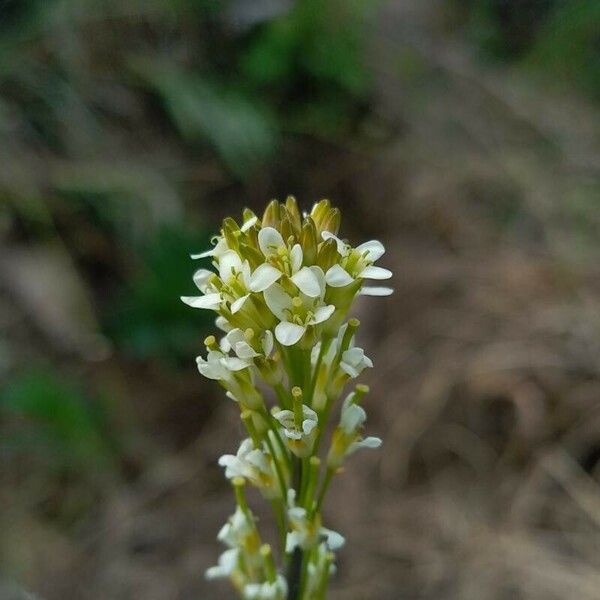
(201, 277)
(335, 540)
(337, 276)
(245, 351)
(267, 343)
(375, 273)
(248, 224)
(322, 314)
(307, 282)
(269, 239)
(277, 300)
(229, 263)
(236, 305)
(288, 334)
(264, 276)
(368, 442)
(223, 324)
(342, 248)
(296, 257)
(234, 364)
(373, 248)
(375, 291)
(209, 301)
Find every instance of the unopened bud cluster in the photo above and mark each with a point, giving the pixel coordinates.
(282, 287)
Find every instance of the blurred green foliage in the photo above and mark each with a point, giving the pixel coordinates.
(557, 38)
(57, 423)
(147, 320)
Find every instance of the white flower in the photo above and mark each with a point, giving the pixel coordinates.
(237, 341)
(252, 464)
(290, 429)
(219, 366)
(219, 248)
(235, 276)
(237, 531)
(347, 438)
(300, 436)
(298, 312)
(228, 562)
(276, 590)
(354, 361)
(283, 261)
(357, 263)
(306, 533)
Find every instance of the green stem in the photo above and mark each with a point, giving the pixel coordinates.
(324, 348)
(328, 477)
(279, 512)
(280, 477)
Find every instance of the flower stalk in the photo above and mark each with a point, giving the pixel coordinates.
(282, 287)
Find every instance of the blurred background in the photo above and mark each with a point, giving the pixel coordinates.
(462, 133)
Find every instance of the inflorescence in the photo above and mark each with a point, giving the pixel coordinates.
(282, 288)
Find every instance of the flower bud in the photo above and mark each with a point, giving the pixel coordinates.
(271, 217)
(328, 255)
(308, 241)
(294, 213)
(332, 221)
(231, 233)
(286, 229)
(319, 212)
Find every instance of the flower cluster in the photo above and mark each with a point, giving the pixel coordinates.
(282, 287)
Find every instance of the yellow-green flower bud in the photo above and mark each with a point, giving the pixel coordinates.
(320, 211)
(332, 221)
(309, 242)
(294, 213)
(271, 217)
(328, 255)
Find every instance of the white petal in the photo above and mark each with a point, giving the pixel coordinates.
(267, 342)
(245, 351)
(374, 250)
(334, 539)
(375, 273)
(210, 301)
(293, 540)
(201, 277)
(296, 257)
(223, 324)
(229, 263)
(269, 239)
(375, 291)
(236, 305)
(245, 270)
(285, 417)
(264, 276)
(341, 246)
(307, 282)
(288, 334)
(368, 442)
(216, 251)
(353, 416)
(322, 314)
(210, 371)
(318, 272)
(249, 223)
(308, 426)
(234, 364)
(350, 370)
(234, 336)
(337, 276)
(277, 300)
